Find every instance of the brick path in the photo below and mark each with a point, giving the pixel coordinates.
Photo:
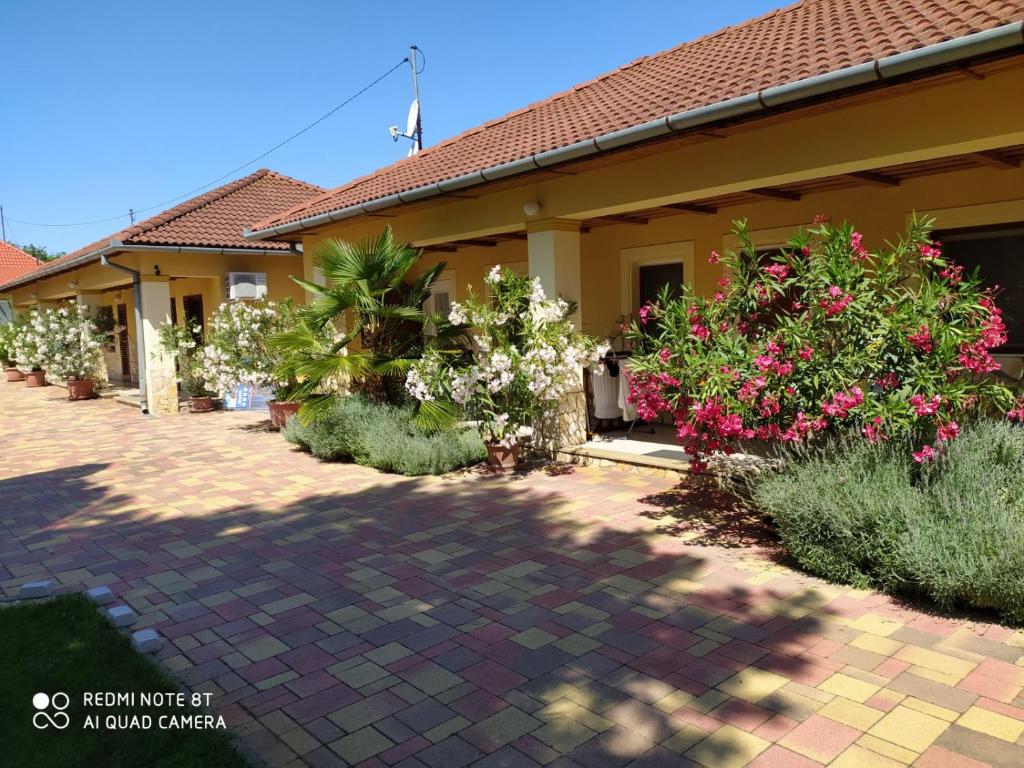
(341, 616)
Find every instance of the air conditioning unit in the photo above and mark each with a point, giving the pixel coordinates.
(247, 285)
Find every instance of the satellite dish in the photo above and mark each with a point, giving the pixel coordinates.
(414, 117)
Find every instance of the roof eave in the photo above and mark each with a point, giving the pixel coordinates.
(997, 40)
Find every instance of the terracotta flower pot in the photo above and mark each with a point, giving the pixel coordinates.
(281, 411)
(81, 389)
(35, 379)
(500, 457)
(14, 374)
(200, 404)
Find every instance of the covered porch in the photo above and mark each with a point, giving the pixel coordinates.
(612, 264)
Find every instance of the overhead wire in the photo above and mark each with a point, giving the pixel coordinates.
(133, 212)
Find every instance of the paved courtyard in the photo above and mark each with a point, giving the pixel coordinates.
(579, 618)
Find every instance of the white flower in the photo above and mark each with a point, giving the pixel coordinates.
(457, 314)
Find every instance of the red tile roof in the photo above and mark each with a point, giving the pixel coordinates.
(809, 38)
(214, 219)
(14, 262)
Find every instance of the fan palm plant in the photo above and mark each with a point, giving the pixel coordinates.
(366, 325)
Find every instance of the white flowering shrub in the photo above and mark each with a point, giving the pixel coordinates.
(8, 333)
(74, 345)
(185, 343)
(526, 356)
(237, 349)
(32, 343)
(62, 340)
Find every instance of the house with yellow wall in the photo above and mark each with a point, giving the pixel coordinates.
(179, 265)
(866, 111)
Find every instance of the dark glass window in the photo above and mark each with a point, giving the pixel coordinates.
(654, 277)
(998, 255)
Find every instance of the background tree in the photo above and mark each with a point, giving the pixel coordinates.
(40, 252)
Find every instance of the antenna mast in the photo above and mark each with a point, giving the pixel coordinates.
(418, 131)
(414, 122)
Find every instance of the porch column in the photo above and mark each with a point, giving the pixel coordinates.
(94, 300)
(553, 248)
(161, 382)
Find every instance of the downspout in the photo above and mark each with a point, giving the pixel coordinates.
(140, 336)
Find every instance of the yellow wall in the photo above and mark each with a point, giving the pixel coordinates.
(953, 114)
(204, 270)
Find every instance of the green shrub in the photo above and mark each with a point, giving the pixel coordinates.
(384, 437)
(868, 515)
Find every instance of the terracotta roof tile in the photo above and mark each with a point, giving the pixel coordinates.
(14, 262)
(214, 219)
(809, 38)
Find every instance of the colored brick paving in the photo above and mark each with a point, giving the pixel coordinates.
(575, 618)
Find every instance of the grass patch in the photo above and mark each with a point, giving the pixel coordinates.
(952, 530)
(65, 645)
(384, 437)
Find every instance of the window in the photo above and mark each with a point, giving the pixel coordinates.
(646, 269)
(6, 312)
(442, 293)
(997, 252)
(655, 277)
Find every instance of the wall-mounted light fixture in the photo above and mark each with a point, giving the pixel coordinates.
(73, 284)
(531, 207)
(156, 269)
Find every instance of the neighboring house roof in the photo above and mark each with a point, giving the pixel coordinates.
(804, 40)
(214, 219)
(14, 262)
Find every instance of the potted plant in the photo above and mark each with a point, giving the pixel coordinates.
(185, 344)
(75, 350)
(8, 332)
(525, 357)
(238, 351)
(32, 347)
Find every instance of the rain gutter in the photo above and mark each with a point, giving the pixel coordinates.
(961, 49)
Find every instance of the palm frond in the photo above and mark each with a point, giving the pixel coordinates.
(436, 415)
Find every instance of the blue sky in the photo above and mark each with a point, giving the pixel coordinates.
(108, 106)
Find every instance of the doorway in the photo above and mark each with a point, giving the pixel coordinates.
(123, 343)
(192, 308)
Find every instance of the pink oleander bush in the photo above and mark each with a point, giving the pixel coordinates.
(823, 336)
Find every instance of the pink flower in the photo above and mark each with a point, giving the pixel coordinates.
(841, 403)
(860, 253)
(644, 313)
(930, 251)
(948, 431)
(806, 353)
(819, 219)
(778, 271)
(925, 455)
(719, 296)
(924, 407)
(954, 273)
(764, 362)
(723, 282)
(665, 355)
(714, 258)
(922, 340)
(871, 430)
(1016, 413)
(835, 291)
(700, 331)
(888, 380)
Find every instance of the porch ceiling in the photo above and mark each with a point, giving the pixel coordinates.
(883, 176)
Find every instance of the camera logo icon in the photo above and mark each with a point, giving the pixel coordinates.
(42, 718)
